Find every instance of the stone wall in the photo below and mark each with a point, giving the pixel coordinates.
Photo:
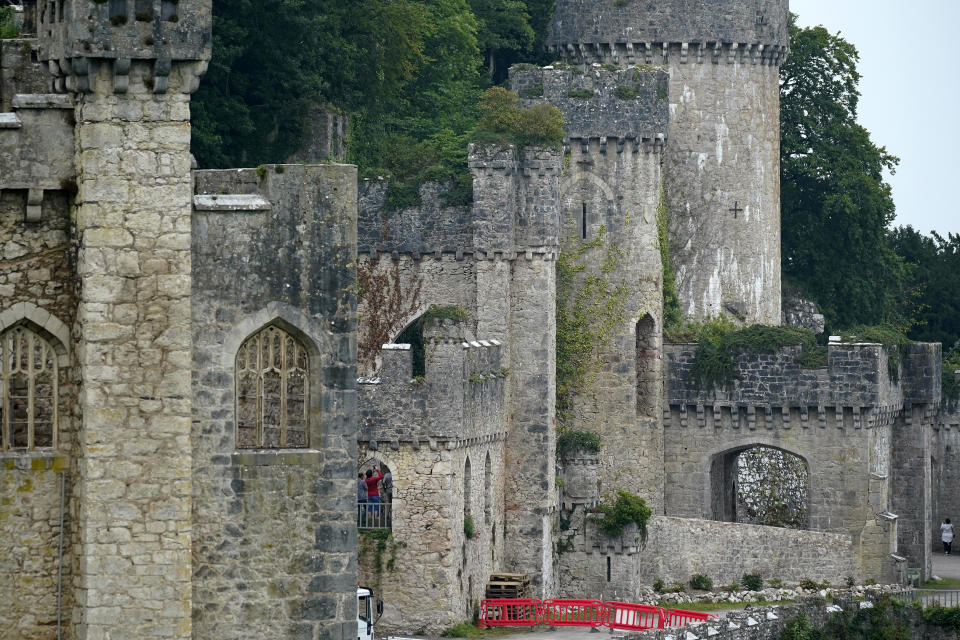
(676, 549)
(37, 289)
(945, 472)
(609, 195)
(430, 575)
(18, 71)
(770, 622)
(849, 422)
(133, 228)
(274, 535)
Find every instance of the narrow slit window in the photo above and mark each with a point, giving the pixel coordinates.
(60, 9)
(273, 389)
(583, 222)
(608, 568)
(29, 378)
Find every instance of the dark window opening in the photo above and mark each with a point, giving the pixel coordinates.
(143, 10)
(168, 10)
(60, 6)
(583, 222)
(117, 11)
(413, 335)
(608, 568)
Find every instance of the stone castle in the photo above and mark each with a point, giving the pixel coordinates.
(196, 364)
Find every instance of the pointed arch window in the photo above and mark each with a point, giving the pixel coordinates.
(29, 377)
(273, 385)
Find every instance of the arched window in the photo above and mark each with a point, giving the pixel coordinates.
(273, 385)
(29, 391)
(466, 489)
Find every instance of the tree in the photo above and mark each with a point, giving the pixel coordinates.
(504, 28)
(835, 204)
(933, 264)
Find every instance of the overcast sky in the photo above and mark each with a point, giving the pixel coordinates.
(910, 95)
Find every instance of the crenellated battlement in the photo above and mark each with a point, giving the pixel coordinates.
(459, 401)
(629, 106)
(619, 32)
(130, 42)
(514, 211)
(663, 53)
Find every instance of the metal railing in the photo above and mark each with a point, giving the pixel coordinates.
(374, 515)
(943, 597)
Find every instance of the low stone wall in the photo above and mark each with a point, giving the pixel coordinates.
(756, 623)
(678, 548)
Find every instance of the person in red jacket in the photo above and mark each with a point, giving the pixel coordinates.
(373, 490)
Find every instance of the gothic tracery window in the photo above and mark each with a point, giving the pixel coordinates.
(272, 391)
(29, 377)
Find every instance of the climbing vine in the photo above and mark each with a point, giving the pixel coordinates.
(950, 384)
(589, 309)
(672, 316)
(378, 550)
(386, 301)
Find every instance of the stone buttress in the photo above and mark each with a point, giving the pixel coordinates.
(131, 72)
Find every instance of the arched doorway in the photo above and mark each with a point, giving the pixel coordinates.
(374, 495)
(760, 484)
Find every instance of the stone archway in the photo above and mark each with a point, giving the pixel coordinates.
(760, 484)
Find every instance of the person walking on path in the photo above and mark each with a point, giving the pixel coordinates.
(946, 534)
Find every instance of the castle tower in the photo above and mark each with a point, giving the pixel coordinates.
(721, 164)
(130, 66)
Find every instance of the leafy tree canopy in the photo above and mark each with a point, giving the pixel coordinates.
(835, 204)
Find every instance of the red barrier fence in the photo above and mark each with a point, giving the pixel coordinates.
(679, 617)
(634, 617)
(573, 613)
(528, 612)
(510, 612)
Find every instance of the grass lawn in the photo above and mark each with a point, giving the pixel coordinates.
(943, 583)
(720, 606)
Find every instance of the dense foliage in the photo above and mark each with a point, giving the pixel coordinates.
(8, 23)
(835, 204)
(408, 72)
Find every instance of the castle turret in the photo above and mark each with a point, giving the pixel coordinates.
(721, 163)
(131, 66)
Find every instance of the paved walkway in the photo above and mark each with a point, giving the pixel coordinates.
(947, 566)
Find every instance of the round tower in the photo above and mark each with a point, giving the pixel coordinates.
(722, 159)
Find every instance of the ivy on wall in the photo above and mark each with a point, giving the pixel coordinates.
(589, 309)
(387, 302)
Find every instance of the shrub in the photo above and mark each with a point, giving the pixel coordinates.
(8, 23)
(776, 583)
(733, 587)
(658, 585)
(701, 582)
(675, 587)
(570, 441)
(752, 582)
(627, 509)
(580, 94)
(504, 120)
(469, 530)
(851, 581)
(807, 583)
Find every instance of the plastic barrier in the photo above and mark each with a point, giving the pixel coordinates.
(634, 617)
(530, 612)
(573, 613)
(510, 612)
(679, 617)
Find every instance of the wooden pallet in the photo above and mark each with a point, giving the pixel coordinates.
(499, 587)
(510, 577)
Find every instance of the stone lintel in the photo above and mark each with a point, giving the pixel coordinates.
(231, 202)
(10, 121)
(42, 101)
